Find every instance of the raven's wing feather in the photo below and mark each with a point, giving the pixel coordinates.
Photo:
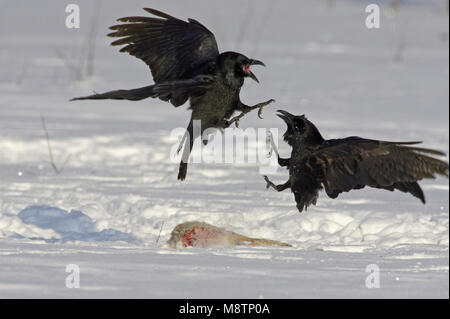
(353, 163)
(178, 91)
(172, 48)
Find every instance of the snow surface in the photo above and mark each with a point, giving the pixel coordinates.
(104, 211)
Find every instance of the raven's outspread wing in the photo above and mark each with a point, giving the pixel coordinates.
(180, 55)
(353, 163)
(172, 48)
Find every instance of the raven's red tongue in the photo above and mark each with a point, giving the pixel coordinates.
(247, 68)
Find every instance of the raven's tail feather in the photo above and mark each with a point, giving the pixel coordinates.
(132, 95)
(407, 187)
(412, 188)
(189, 142)
(182, 171)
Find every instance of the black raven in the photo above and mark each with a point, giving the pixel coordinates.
(341, 165)
(185, 63)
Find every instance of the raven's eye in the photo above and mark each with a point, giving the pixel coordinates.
(299, 125)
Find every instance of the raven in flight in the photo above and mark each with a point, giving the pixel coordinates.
(185, 63)
(341, 165)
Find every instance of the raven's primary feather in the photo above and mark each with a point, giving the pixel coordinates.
(173, 49)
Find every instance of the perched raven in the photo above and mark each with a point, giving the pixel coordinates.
(185, 63)
(341, 165)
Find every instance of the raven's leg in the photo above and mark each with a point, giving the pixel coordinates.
(189, 142)
(245, 109)
(278, 188)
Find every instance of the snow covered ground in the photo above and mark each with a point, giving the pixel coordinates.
(104, 211)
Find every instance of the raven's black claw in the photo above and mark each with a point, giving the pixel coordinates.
(262, 105)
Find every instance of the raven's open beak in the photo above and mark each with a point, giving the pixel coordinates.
(252, 76)
(286, 117)
(255, 62)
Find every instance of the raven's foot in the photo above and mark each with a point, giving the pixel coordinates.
(278, 188)
(261, 105)
(235, 119)
(269, 183)
(248, 109)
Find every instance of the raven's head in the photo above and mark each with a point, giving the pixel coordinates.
(300, 131)
(238, 64)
